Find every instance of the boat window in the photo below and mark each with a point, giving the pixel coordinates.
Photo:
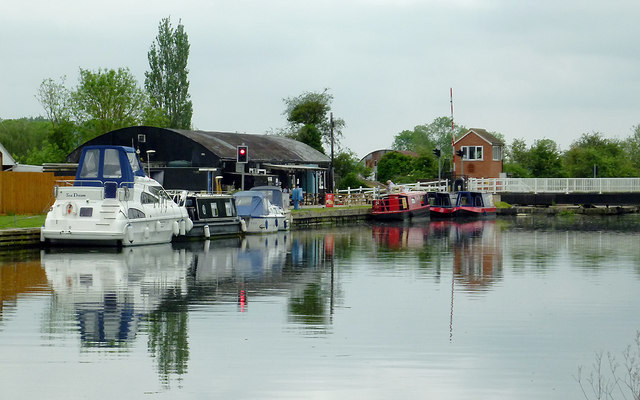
(90, 164)
(243, 201)
(133, 213)
(159, 192)
(86, 211)
(229, 209)
(147, 198)
(134, 162)
(112, 164)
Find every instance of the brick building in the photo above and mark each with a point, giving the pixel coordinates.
(482, 155)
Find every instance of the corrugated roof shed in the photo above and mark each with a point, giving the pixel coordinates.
(262, 148)
(174, 144)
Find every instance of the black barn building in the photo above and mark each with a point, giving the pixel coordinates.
(183, 159)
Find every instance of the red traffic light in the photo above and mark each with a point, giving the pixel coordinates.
(242, 154)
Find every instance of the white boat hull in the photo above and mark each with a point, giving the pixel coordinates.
(264, 224)
(81, 216)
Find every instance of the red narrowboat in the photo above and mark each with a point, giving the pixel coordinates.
(443, 205)
(401, 206)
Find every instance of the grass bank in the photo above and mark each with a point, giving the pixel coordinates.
(22, 221)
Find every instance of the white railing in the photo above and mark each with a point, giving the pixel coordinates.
(554, 185)
(435, 186)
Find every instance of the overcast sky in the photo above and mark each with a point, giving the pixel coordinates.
(526, 69)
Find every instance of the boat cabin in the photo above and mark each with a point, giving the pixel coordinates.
(401, 205)
(442, 199)
(251, 203)
(116, 165)
(474, 199)
(274, 195)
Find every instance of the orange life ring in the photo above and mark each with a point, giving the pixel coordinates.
(69, 208)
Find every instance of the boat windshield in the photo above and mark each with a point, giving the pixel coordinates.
(134, 162)
(159, 192)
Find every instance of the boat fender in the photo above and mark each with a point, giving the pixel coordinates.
(147, 233)
(243, 225)
(183, 227)
(129, 233)
(276, 222)
(207, 231)
(266, 224)
(176, 228)
(286, 224)
(189, 224)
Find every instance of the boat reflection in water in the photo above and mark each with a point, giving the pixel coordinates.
(108, 291)
(475, 248)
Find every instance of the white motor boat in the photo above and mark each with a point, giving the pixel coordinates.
(280, 203)
(112, 202)
(257, 212)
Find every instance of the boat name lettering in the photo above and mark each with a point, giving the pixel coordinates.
(75, 194)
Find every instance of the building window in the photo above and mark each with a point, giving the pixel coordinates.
(472, 153)
(497, 153)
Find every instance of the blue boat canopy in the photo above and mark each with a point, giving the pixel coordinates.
(251, 203)
(101, 164)
(274, 194)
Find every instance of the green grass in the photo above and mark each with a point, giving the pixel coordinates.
(21, 221)
(502, 204)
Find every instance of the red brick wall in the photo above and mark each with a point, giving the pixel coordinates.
(487, 168)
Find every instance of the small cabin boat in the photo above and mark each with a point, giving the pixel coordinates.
(257, 212)
(213, 215)
(113, 202)
(474, 205)
(401, 206)
(280, 201)
(443, 205)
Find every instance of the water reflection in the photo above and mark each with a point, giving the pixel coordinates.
(269, 312)
(20, 274)
(473, 250)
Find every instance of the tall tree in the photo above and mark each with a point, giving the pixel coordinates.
(108, 99)
(57, 102)
(310, 113)
(606, 155)
(167, 81)
(424, 138)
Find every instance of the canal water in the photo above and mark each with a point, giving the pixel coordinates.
(503, 309)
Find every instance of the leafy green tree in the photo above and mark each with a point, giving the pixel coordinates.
(541, 160)
(312, 109)
(312, 136)
(632, 147)
(107, 100)
(349, 171)
(167, 81)
(57, 102)
(425, 138)
(545, 160)
(20, 136)
(402, 168)
(605, 154)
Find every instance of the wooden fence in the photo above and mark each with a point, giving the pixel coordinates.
(27, 192)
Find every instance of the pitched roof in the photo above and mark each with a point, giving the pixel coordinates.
(484, 135)
(176, 144)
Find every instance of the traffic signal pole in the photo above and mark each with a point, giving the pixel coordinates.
(242, 158)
